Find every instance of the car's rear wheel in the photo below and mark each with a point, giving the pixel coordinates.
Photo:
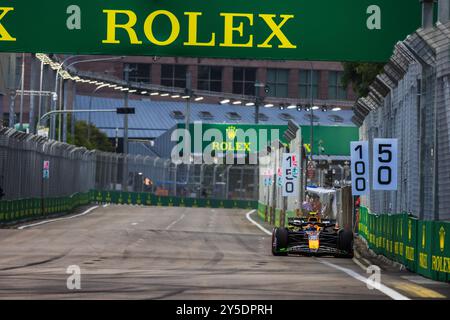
(279, 241)
(345, 243)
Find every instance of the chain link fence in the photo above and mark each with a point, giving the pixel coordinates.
(74, 169)
(410, 101)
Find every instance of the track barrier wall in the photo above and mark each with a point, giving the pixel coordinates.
(422, 246)
(15, 211)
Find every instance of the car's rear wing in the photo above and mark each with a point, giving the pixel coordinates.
(301, 222)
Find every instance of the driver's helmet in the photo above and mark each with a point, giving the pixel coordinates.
(313, 216)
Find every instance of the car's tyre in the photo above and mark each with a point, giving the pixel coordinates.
(345, 243)
(279, 241)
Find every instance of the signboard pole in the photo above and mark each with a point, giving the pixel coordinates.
(125, 135)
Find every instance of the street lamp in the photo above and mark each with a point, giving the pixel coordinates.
(56, 83)
(90, 107)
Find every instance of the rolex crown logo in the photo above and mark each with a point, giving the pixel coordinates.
(231, 132)
(442, 239)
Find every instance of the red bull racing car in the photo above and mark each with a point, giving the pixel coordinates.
(312, 236)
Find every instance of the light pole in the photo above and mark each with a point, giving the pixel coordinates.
(126, 70)
(90, 107)
(258, 99)
(312, 111)
(55, 98)
(22, 87)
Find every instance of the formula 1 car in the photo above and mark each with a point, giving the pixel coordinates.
(312, 236)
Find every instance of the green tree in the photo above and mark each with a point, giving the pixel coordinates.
(98, 140)
(361, 76)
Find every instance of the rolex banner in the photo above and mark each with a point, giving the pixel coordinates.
(219, 138)
(421, 246)
(345, 30)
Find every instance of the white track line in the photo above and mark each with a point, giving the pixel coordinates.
(176, 221)
(256, 223)
(53, 220)
(363, 267)
(382, 288)
(105, 205)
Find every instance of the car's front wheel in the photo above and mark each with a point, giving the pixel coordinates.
(279, 241)
(345, 243)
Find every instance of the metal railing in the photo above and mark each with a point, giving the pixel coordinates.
(73, 169)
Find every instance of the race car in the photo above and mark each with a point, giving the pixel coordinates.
(312, 236)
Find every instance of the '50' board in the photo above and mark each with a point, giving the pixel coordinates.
(385, 164)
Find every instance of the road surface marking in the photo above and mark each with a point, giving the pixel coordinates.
(418, 291)
(54, 220)
(105, 205)
(421, 280)
(363, 267)
(256, 223)
(384, 289)
(175, 222)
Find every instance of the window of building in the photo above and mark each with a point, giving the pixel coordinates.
(177, 114)
(305, 83)
(209, 78)
(315, 118)
(205, 115)
(173, 75)
(335, 88)
(233, 116)
(262, 116)
(244, 81)
(138, 72)
(286, 116)
(336, 118)
(277, 80)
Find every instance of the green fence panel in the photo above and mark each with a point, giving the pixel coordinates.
(277, 217)
(393, 219)
(261, 211)
(140, 200)
(424, 241)
(38, 207)
(14, 210)
(289, 214)
(375, 232)
(98, 196)
(147, 199)
(10, 210)
(53, 205)
(440, 251)
(3, 208)
(399, 246)
(173, 201)
(107, 196)
(221, 204)
(116, 197)
(92, 195)
(362, 222)
(387, 235)
(382, 234)
(6, 210)
(121, 198)
(410, 241)
(162, 202)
